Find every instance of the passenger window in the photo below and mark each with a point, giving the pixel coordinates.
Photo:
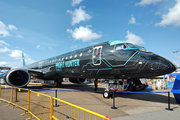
(120, 47)
(80, 54)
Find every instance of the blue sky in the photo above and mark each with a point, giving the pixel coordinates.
(43, 28)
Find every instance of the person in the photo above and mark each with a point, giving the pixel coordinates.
(95, 84)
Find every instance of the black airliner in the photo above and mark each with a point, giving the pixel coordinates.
(109, 60)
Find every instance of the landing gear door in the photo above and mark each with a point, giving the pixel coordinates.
(96, 55)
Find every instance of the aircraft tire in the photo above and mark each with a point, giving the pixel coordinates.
(143, 87)
(134, 87)
(130, 88)
(58, 82)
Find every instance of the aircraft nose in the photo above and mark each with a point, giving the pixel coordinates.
(162, 66)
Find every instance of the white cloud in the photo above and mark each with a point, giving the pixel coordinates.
(157, 13)
(19, 36)
(50, 48)
(132, 38)
(83, 33)
(132, 20)
(11, 27)
(28, 60)
(5, 49)
(79, 15)
(8, 54)
(38, 46)
(44, 47)
(73, 47)
(74, 2)
(173, 17)
(3, 43)
(17, 54)
(148, 2)
(3, 63)
(176, 63)
(4, 30)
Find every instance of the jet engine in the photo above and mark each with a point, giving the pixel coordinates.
(17, 77)
(77, 80)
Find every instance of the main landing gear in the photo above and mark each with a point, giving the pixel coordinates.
(58, 82)
(123, 85)
(117, 85)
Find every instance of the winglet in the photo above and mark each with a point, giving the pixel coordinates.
(23, 59)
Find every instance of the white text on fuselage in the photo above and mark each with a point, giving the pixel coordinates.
(66, 64)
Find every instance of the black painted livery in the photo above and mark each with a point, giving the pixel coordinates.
(110, 60)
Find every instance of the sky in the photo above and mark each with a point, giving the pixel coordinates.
(45, 28)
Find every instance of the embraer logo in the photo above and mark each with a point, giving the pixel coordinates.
(65, 64)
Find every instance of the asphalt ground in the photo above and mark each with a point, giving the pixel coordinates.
(7, 113)
(129, 106)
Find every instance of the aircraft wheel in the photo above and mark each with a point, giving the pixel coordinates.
(144, 87)
(107, 94)
(134, 87)
(130, 88)
(57, 82)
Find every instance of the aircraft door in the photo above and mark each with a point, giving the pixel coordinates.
(96, 55)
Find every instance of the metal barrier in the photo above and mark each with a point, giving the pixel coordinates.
(45, 107)
(72, 111)
(113, 93)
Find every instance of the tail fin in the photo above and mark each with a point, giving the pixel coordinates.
(23, 59)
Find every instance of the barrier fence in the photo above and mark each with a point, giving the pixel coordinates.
(113, 92)
(45, 107)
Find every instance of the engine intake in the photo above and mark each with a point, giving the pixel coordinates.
(77, 80)
(17, 77)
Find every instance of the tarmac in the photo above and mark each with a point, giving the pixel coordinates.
(6, 113)
(129, 106)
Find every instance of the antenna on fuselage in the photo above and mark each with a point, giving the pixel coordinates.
(23, 59)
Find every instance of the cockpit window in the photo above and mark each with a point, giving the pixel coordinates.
(132, 45)
(120, 46)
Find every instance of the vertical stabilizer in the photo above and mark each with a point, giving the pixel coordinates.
(23, 59)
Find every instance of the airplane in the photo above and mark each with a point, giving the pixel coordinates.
(113, 59)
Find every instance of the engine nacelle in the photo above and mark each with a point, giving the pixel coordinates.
(77, 80)
(17, 77)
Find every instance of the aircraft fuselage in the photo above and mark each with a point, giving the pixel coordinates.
(113, 59)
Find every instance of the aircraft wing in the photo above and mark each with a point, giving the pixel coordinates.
(5, 68)
(35, 72)
(32, 72)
